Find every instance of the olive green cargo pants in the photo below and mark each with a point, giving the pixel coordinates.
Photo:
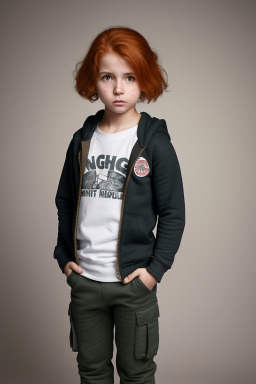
(94, 310)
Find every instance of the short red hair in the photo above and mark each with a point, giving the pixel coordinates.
(130, 45)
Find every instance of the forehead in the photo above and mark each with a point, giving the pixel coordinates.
(111, 62)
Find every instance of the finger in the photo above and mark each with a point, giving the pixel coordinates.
(131, 276)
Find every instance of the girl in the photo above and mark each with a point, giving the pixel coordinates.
(120, 174)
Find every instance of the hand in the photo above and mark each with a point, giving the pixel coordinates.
(72, 266)
(146, 277)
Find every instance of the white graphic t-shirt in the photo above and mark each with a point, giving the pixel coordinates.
(101, 201)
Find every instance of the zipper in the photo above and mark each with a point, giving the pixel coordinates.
(78, 202)
(122, 209)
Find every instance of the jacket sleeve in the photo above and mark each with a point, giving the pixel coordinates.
(64, 249)
(170, 205)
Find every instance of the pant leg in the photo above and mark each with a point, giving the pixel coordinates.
(136, 313)
(133, 308)
(93, 330)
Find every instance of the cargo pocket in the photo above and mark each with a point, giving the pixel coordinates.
(72, 333)
(147, 331)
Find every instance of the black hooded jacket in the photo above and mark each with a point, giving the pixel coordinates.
(158, 195)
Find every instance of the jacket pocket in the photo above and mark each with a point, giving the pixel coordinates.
(147, 331)
(142, 230)
(134, 229)
(72, 333)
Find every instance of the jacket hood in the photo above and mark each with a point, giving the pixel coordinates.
(147, 127)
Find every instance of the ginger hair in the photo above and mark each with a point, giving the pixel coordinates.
(128, 44)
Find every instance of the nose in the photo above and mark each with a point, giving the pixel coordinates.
(118, 87)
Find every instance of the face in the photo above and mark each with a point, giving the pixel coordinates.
(117, 81)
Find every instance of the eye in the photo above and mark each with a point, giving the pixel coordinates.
(128, 77)
(105, 76)
(131, 77)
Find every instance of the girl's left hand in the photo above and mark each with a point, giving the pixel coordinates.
(146, 277)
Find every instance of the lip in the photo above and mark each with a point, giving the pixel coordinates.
(119, 102)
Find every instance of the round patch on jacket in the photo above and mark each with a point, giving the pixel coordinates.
(141, 167)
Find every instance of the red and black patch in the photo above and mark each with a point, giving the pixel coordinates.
(141, 167)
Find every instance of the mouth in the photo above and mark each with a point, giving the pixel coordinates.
(119, 102)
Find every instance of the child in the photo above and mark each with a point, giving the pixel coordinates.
(120, 173)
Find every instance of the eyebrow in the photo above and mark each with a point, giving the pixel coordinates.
(127, 73)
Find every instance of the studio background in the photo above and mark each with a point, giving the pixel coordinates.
(207, 299)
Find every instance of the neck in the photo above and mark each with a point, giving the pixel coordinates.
(116, 122)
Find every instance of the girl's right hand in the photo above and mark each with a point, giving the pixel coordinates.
(72, 266)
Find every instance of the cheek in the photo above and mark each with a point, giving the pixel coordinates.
(137, 91)
(102, 90)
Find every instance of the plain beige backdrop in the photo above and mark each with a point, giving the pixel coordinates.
(207, 299)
